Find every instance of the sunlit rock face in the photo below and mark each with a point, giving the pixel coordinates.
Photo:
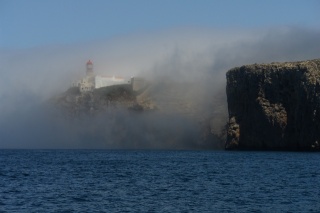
(274, 106)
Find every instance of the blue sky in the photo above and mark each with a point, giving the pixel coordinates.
(34, 23)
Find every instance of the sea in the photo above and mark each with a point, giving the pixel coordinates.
(158, 181)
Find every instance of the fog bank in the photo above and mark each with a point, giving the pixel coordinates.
(186, 68)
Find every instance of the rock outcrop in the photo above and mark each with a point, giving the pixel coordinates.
(165, 115)
(74, 103)
(274, 106)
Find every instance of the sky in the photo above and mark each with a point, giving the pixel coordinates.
(45, 44)
(34, 23)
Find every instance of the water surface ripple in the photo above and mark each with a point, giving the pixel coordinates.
(158, 181)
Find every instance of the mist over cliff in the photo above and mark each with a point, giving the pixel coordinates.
(186, 67)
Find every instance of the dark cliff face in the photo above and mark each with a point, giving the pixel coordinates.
(274, 106)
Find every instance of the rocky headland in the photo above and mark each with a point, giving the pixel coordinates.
(274, 106)
(165, 115)
(75, 103)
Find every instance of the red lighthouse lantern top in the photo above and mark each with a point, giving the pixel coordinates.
(89, 70)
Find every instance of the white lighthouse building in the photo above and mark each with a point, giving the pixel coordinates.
(89, 70)
(92, 81)
(87, 83)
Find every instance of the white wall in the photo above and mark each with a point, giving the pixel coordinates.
(109, 81)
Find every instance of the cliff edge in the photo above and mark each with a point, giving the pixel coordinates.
(274, 106)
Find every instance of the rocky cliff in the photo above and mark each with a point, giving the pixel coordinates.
(274, 106)
(166, 115)
(74, 103)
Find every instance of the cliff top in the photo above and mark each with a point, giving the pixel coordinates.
(308, 66)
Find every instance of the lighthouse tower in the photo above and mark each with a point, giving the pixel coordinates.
(89, 71)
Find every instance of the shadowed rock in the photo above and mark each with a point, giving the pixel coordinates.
(274, 106)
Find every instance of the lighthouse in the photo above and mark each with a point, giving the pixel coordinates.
(89, 71)
(90, 82)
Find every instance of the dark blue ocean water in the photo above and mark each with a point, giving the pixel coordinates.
(158, 181)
